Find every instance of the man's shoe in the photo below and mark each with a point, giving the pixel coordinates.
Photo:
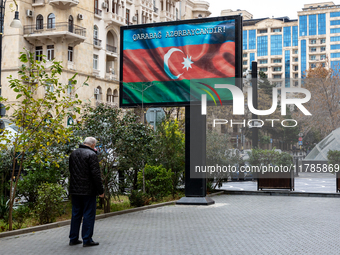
(75, 242)
(90, 244)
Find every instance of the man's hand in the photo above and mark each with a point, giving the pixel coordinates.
(102, 195)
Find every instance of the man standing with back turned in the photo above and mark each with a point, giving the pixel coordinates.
(85, 184)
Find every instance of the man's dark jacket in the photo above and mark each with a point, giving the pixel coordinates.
(85, 173)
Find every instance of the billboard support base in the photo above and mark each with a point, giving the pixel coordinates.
(195, 201)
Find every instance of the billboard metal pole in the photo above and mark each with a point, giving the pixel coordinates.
(255, 130)
(195, 154)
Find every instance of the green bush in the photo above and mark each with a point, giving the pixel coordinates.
(49, 202)
(158, 181)
(138, 198)
(37, 175)
(20, 214)
(333, 157)
(3, 208)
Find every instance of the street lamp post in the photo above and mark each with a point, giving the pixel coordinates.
(15, 24)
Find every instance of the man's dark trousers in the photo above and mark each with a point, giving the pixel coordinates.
(83, 206)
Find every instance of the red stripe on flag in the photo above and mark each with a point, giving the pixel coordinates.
(209, 61)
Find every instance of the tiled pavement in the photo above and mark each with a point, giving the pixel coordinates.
(234, 225)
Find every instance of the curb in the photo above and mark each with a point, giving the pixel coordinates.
(98, 217)
(280, 193)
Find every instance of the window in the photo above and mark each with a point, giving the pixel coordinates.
(98, 93)
(38, 53)
(322, 24)
(245, 62)
(70, 24)
(335, 14)
(335, 22)
(335, 46)
(276, 30)
(277, 76)
(312, 65)
(263, 69)
(323, 64)
(296, 59)
(127, 16)
(95, 32)
(262, 46)
(296, 68)
(313, 41)
(295, 36)
(296, 75)
(251, 59)
(245, 43)
(69, 88)
(245, 55)
(303, 25)
(49, 87)
(50, 52)
(287, 36)
(335, 30)
(322, 57)
(313, 49)
(40, 22)
(276, 45)
(70, 53)
(287, 68)
(277, 60)
(296, 83)
(303, 57)
(323, 49)
(277, 69)
(312, 24)
(313, 57)
(95, 61)
(263, 61)
(335, 38)
(262, 31)
(252, 39)
(335, 55)
(51, 21)
(322, 40)
(295, 51)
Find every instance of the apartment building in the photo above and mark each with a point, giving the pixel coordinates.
(284, 49)
(84, 35)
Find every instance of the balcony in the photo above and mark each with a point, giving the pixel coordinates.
(44, 33)
(155, 11)
(111, 48)
(114, 19)
(98, 13)
(37, 3)
(97, 43)
(63, 4)
(166, 16)
(110, 76)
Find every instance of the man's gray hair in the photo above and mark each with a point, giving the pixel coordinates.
(90, 141)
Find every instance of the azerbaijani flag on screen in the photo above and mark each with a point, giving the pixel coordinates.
(175, 64)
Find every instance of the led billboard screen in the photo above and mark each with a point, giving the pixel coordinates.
(174, 63)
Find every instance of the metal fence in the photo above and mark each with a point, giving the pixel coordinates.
(55, 27)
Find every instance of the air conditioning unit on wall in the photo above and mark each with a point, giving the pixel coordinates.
(134, 18)
(80, 16)
(29, 13)
(96, 91)
(104, 5)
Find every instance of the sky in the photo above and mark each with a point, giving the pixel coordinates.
(262, 8)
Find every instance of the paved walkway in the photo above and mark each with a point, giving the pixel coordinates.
(305, 182)
(234, 225)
